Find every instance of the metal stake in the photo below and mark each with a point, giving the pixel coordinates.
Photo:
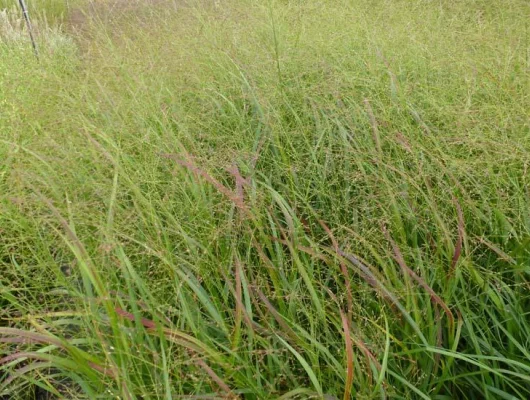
(30, 28)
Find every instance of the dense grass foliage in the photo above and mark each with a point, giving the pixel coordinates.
(269, 199)
(53, 11)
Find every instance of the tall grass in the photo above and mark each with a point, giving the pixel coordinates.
(50, 10)
(274, 199)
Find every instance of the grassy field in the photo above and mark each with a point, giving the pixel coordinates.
(262, 199)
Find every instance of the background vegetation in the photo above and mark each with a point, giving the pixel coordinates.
(266, 199)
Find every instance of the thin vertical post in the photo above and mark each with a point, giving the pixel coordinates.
(28, 24)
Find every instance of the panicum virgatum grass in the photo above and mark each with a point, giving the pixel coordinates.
(268, 199)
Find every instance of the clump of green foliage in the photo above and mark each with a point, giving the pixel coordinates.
(279, 199)
(53, 11)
